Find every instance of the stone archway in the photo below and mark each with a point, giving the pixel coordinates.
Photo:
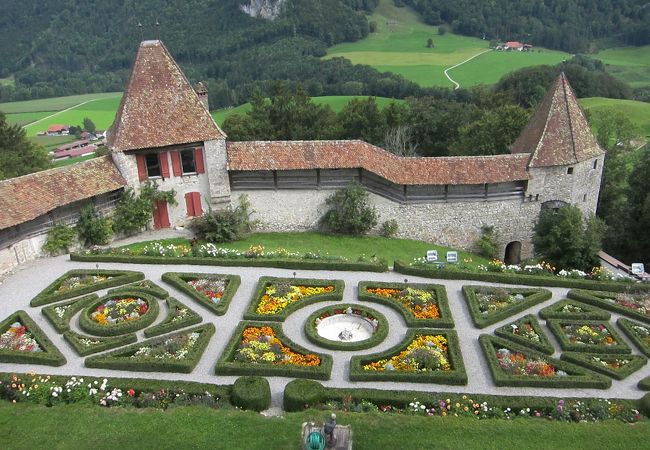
(513, 253)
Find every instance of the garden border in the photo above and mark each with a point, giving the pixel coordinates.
(106, 342)
(536, 296)
(95, 329)
(621, 348)
(146, 286)
(592, 299)
(179, 281)
(62, 324)
(625, 325)
(595, 313)
(582, 359)
(50, 354)
(167, 326)
(544, 346)
(644, 384)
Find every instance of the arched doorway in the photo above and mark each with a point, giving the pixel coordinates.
(513, 253)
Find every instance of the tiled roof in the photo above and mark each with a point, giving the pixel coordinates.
(159, 106)
(296, 155)
(30, 196)
(558, 134)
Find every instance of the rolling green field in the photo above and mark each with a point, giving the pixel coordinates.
(630, 64)
(53, 104)
(399, 46)
(26, 117)
(637, 112)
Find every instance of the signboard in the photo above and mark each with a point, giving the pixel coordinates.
(452, 257)
(432, 255)
(638, 268)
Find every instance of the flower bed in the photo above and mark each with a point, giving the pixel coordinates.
(178, 352)
(146, 286)
(22, 341)
(514, 365)
(639, 334)
(213, 291)
(636, 306)
(615, 366)
(260, 348)
(87, 345)
(79, 282)
(421, 305)
(119, 313)
(276, 298)
(424, 356)
(527, 332)
(587, 336)
(372, 316)
(60, 314)
(571, 309)
(178, 316)
(488, 305)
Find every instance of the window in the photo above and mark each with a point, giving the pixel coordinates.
(595, 164)
(188, 162)
(569, 171)
(153, 165)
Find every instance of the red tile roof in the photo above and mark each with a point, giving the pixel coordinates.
(159, 106)
(72, 152)
(30, 196)
(57, 128)
(296, 155)
(558, 134)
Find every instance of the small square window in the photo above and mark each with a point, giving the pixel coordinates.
(569, 171)
(595, 164)
(153, 165)
(188, 162)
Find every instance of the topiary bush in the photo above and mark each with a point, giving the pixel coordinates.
(349, 211)
(644, 405)
(389, 228)
(251, 393)
(302, 394)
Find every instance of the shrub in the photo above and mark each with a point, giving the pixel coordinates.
(59, 238)
(389, 228)
(486, 244)
(302, 394)
(225, 225)
(349, 211)
(133, 213)
(92, 228)
(252, 393)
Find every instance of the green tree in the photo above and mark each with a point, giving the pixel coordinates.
(92, 228)
(18, 155)
(134, 212)
(639, 201)
(89, 125)
(362, 119)
(349, 211)
(429, 43)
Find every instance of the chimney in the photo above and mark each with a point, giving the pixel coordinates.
(202, 92)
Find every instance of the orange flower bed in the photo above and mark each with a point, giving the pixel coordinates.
(259, 345)
(421, 303)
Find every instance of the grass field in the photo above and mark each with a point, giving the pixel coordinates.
(84, 427)
(53, 104)
(630, 64)
(26, 117)
(399, 46)
(637, 112)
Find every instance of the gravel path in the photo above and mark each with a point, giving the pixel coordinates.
(20, 287)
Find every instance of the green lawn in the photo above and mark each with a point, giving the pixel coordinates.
(348, 246)
(26, 117)
(53, 104)
(70, 161)
(52, 142)
(630, 64)
(72, 426)
(637, 112)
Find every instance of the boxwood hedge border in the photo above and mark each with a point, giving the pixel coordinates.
(335, 296)
(227, 366)
(117, 361)
(532, 297)
(592, 298)
(377, 337)
(167, 326)
(445, 321)
(89, 326)
(626, 326)
(119, 277)
(146, 286)
(544, 346)
(583, 379)
(62, 324)
(105, 343)
(179, 281)
(582, 359)
(456, 376)
(49, 356)
(644, 384)
(592, 313)
(621, 348)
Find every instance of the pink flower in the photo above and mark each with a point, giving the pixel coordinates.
(131, 392)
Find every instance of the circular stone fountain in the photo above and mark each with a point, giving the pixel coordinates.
(346, 327)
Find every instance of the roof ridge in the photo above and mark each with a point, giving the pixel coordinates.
(65, 168)
(565, 84)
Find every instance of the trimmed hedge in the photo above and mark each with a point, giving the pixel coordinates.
(598, 298)
(49, 356)
(513, 278)
(90, 326)
(456, 376)
(251, 312)
(591, 312)
(146, 286)
(531, 298)
(72, 307)
(302, 394)
(645, 385)
(50, 294)
(180, 279)
(103, 343)
(555, 325)
(378, 336)
(303, 264)
(169, 324)
(121, 359)
(576, 378)
(626, 325)
(544, 345)
(226, 365)
(445, 320)
(251, 393)
(585, 360)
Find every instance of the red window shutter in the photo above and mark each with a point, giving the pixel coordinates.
(142, 167)
(198, 160)
(164, 164)
(176, 164)
(196, 200)
(189, 204)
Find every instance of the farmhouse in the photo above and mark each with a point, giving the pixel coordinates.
(58, 130)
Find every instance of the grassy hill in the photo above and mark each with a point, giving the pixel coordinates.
(637, 112)
(630, 64)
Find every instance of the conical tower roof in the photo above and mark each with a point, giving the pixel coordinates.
(159, 106)
(558, 134)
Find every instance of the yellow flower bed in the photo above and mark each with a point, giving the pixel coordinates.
(273, 302)
(424, 354)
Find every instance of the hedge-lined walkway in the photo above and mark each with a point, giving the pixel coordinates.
(18, 289)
